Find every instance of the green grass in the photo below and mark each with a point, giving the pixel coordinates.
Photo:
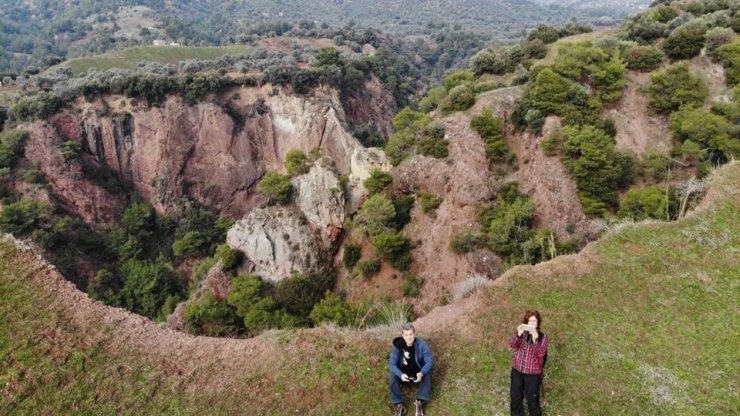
(552, 49)
(129, 58)
(641, 323)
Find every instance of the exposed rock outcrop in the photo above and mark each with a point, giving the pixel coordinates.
(71, 190)
(276, 241)
(362, 164)
(552, 188)
(320, 197)
(211, 153)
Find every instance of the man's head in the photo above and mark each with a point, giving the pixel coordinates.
(408, 333)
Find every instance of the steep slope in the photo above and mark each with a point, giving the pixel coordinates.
(636, 307)
(211, 153)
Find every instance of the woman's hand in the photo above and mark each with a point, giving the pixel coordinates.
(535, 335)
(519, 330)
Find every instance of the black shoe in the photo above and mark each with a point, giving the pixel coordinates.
(419, 405)
(400, 409)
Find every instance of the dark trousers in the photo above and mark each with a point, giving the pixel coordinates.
(525, 385)
(425, 388)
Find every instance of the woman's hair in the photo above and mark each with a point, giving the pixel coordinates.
(529, 314)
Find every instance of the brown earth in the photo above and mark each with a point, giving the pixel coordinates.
(465, 180)
(639, 130)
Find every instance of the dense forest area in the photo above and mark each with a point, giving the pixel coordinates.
(42, 33)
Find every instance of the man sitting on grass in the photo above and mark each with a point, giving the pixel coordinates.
(410, 362)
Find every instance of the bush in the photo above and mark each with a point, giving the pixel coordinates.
(296, 162)
(714, 132)
(486, 62)
(193, 243)
(643, 29)
(71, 151)
(457, 78)
(377, 181)
(403, 205)
(467, 241)
(259, 311)
(105, 287)
(674, 87)
(332, 309)
(429, 202)
(376, 214)
(654, 202)
(230, 258)
(368, 135)
(298, 295)
(535, 120)
(534, 49)
(729, 55)
(430, 146)
(22, 216)
(685, 43)
(469, 286)
(139, 218)
(391, 314)
(212, 317)
(201, 270)
(394, 248)
(643, 58)
(432, 99)
(716, 37)
(544, 33)
(663, 13)
(37, 107)
(655, 166)
(246, 290)
(599, 170)
(148, 285)
(412, 285)
(12, 145)
(399, 146)
(460, 98)
(491, 130)
(551, 144)
(351, 256)
(277, 187)
(34, 175)
(435, 130)
(369, 268)
(510, 226)
(550, 92)
(408, 119)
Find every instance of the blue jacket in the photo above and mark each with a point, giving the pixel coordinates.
(423, 356)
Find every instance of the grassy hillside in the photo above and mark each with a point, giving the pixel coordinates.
(129, 58)
(642, 322)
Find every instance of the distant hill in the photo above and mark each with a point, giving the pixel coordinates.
(50, 31)
(623, 5)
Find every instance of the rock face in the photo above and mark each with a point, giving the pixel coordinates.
(462, 181)
(276, 241)
(71, 190)
(363, 162)
(320, 197)
(552, 188)
(279, 240)
(211, 153)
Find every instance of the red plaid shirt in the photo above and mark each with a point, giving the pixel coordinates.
(528, 356)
